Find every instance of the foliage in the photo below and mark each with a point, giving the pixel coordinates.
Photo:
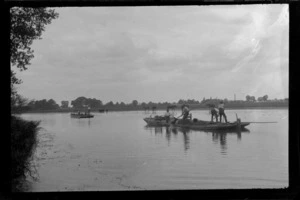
(134, 103)
(188, 101)
(83, 102)
(64, 104)
(23, 145)
(110, 103)
(43, 105)
(250, 98)
(263, 98)
(18, 103)
(27, 25)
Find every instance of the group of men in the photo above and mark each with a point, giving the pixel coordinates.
(215, 113)
(218, 112)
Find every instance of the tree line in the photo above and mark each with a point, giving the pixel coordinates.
(81, 103)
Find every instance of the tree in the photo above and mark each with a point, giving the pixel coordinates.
(94, 103)
(248, 98)
(181, 101)
(265, 97)
(18, 103)
(79, 102)
(27, 24)
(64, 104)
(252, 98)
(134, 103)
(51, 104)
(110, 103)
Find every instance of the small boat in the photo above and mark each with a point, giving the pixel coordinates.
(81, 115)
(157, 121)
(195, 124)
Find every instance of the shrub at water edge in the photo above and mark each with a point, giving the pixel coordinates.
(23, 145)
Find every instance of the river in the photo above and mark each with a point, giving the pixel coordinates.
(117, 151)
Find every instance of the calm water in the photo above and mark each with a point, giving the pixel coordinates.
(116, 151)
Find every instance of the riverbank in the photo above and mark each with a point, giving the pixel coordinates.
(23, 144)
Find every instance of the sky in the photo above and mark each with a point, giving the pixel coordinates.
(161, 53)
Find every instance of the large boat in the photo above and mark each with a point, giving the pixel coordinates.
(195, 124)
(81, 115)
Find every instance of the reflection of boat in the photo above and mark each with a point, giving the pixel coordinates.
(81, 115)
(196, 124)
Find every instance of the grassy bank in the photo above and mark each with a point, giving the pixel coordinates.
(23, 145)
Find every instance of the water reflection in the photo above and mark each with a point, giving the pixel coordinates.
(186, 140)
(218, 136)
(158, 130)
(83, 122)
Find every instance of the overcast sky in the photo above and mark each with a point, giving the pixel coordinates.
(161, 54)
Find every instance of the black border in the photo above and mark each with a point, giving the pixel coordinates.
(294, 119)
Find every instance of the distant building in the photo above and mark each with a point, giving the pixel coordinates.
(64, 104)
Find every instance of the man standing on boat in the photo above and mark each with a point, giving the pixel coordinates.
(168, 115)
(221, 111)
(214, 113)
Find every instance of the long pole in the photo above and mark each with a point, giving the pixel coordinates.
(260, 122)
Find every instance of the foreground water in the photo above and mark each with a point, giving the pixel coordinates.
(117, 151)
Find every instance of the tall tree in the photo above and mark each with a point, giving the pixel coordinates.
(26, 25)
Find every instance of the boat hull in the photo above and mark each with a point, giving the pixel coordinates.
(199, 125)
(82, 116)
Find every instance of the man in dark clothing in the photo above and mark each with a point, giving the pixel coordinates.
(185, 112)
(213, 113)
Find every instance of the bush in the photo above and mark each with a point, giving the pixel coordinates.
(23, 145)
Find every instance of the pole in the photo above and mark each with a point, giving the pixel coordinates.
(260, 122)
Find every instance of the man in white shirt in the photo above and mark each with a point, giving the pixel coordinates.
(221, 111)
(168, 115)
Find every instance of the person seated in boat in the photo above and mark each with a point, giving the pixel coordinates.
(221, 111)
(167, 115)
(214, 113)
(185, 112)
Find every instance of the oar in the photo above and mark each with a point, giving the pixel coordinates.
(254, 122)
(260, 122)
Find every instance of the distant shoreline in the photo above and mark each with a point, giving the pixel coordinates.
(159, 109)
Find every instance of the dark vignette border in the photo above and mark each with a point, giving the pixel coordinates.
(294, 118)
